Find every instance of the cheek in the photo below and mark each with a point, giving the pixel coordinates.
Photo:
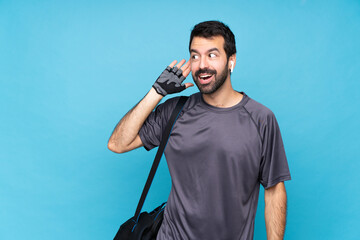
(193, 67)
(220, 63)
(220, 66)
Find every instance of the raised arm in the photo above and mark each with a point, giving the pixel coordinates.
(275, 211)
(125, 136)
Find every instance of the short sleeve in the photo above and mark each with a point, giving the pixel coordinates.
(273, 166)
(151, 131)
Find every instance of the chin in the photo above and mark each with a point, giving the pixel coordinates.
(207, 89)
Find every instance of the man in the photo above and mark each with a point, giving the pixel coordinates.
(223, 145)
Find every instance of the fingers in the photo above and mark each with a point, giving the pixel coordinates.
(173, 64)
(180, 63)
(186, 71)
(184, 67)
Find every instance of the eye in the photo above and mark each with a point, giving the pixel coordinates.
(195, 57)
(212, 55)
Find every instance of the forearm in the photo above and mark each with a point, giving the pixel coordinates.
(275, 211)
(128, 127)
(125, 136)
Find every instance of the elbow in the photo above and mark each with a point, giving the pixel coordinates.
(114, 148)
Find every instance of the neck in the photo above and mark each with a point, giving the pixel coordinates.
(224, 97)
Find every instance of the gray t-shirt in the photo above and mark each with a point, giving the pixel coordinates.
(217, 159)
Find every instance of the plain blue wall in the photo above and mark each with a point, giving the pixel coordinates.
(69, 71)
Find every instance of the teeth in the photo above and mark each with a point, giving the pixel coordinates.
(205, 76)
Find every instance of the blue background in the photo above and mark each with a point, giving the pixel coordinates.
(70, 70)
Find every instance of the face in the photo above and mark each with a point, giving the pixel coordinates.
(209, 64)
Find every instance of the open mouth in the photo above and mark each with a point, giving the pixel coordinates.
(205, 78)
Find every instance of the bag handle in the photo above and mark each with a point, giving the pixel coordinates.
(166, 134)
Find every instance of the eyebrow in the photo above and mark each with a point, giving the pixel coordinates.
(210, 50)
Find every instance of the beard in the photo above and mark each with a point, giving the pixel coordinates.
(212, 86)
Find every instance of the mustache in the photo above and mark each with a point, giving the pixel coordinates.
(205, 70)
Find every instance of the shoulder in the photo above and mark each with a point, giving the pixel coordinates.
(258, 110)
(170, 103)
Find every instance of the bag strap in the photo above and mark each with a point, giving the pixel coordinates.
(166, 134)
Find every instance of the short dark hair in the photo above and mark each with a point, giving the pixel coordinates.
(211, 29)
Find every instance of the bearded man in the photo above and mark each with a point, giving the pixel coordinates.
(222, 147)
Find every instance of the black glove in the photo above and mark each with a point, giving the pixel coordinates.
(170, 81)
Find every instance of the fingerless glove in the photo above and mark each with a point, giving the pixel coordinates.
(170, 81)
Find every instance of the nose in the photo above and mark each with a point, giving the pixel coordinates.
(203, 63)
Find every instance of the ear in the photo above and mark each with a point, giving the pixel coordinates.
(232, 62)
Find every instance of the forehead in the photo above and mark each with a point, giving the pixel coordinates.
(201, 44)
